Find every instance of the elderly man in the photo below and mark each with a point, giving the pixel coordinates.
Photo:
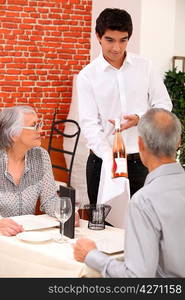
(155, 240)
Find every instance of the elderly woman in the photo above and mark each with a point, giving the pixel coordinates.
(25, 168)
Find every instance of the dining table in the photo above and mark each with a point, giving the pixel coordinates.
(44, 257)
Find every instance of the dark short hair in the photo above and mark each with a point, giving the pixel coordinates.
(114, 19)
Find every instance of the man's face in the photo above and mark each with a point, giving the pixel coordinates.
(113, 45)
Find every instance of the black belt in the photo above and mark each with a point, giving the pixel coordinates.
(132, 156)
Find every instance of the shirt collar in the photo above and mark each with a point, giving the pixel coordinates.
(27, 163)
(129, 58)
(104, 64)
(165, 169)
(5, 158)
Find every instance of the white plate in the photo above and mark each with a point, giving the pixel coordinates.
(35, 237)
(34, 222)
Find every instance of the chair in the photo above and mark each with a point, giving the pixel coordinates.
(58, 129)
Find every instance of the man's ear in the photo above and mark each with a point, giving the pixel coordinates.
(179, 143)
(141, 144)
(98, 37)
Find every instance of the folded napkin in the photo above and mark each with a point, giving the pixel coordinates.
(115, 192)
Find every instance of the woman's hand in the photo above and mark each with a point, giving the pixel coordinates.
(9, 227)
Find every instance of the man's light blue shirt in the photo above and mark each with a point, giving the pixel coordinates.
(155, 232)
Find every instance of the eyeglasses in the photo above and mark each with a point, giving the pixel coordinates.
(35, 127)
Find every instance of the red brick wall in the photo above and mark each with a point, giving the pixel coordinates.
(43, 43)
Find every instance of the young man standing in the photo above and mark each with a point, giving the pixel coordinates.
(117, 84)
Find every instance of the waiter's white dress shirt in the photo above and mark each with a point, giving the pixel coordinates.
(105, 93)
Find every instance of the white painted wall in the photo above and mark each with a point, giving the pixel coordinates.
(179, 49)
(158, 32)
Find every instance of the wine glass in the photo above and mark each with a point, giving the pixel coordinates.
(63, 211)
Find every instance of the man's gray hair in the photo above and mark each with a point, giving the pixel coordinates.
(11, 121)
(160, 131)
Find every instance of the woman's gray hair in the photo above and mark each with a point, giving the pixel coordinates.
(11, 121)
(160, 131)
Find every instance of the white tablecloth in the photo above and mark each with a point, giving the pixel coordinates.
(46, 259)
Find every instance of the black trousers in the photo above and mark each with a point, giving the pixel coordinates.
(137, 173)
